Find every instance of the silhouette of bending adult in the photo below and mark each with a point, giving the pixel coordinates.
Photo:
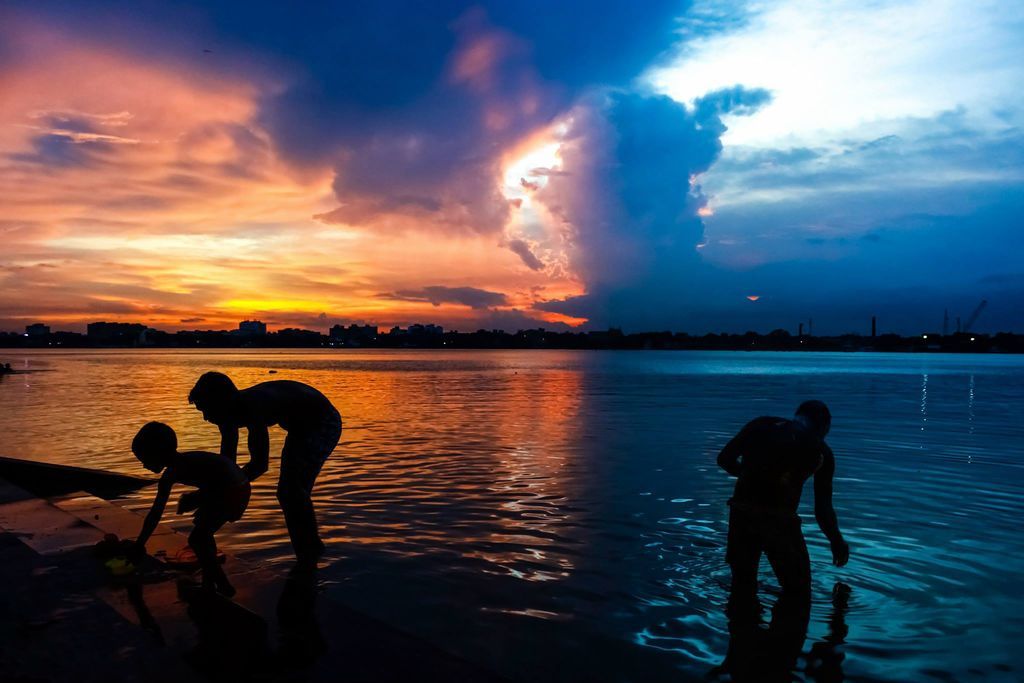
(313, 425)
(771, 458)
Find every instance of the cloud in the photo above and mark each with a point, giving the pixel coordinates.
(420, 132)
(523, 251)
(628, 198)
(815, 157)
(514, 320)
(830, 203)
(842, 65)
(438, 294)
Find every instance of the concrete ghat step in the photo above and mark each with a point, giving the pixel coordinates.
(9, 493)
(114, 519)
(41, 526)
(219, 638)
(53, 627)
(274, 629)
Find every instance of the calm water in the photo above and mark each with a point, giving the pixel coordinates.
(559, 514)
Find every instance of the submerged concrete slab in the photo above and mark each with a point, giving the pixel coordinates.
(53, 627)
(46, 529)
(114, 519)
(9, 493)
(65, 618)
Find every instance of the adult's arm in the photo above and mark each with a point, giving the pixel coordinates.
(824, 513)
(229, 442)
(259, 451)
(729, 457)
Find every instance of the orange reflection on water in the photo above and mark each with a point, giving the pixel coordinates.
(531, 475)
(456, 452)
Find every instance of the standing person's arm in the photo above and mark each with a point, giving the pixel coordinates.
(729, 457)
(823, 510)
(259, 451)
(229, 442)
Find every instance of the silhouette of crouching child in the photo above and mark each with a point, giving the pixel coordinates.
(222, 495)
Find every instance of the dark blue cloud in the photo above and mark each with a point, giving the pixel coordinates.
(627, 192)
(438, 294)
(62, 151)
(523, 251)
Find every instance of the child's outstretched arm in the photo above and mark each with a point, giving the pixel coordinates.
(163, 492)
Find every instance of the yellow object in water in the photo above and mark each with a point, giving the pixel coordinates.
(119, 566)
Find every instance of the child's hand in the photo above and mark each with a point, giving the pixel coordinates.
(188, 502)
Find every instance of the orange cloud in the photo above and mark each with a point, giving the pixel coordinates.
(136, 189)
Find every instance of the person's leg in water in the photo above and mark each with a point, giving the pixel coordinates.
(743, 554)
(786, 634)
(302, 459)
(787, 552)
(205, 546)
(743, 610)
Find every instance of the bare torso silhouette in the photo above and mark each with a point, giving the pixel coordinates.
(777, 458)
(772, 458)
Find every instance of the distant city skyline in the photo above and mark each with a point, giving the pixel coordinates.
(693, 166)
(364, 331)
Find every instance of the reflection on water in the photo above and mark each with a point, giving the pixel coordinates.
(559, 514)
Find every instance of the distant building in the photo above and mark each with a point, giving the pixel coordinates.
(292, 336)
(252, 327)
(353, 335)
(37, 330)
(121, 334)
(426, 329)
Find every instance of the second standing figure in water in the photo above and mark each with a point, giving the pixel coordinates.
(314, 428)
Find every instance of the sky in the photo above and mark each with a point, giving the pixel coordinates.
(689, 166)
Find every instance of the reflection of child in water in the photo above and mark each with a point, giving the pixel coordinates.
(222, 496)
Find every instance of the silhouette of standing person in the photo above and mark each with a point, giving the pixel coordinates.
(771, 458)
(314, 428)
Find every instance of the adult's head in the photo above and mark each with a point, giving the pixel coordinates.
(815, 417)
(155, 445)
(214, 395)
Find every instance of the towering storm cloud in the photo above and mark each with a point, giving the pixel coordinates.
(628, 198)
(415, 109)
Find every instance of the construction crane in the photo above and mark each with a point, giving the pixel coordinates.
(974, 316)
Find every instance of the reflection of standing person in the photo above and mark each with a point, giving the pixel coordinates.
(765, 655)
(771, 458)
(825, 660)
(773, 654)
(313, 425)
